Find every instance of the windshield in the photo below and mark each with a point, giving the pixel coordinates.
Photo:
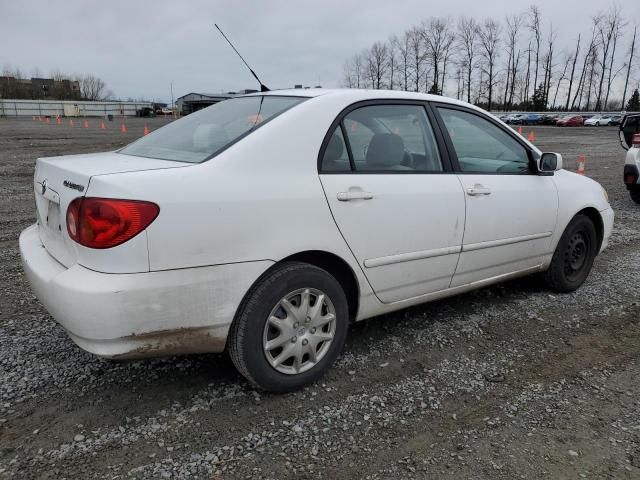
(202, 135)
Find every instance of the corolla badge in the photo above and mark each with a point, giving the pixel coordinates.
(75, 186)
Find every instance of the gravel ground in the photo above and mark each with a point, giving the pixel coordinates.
(505, 382)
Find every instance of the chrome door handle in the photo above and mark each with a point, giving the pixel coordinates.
(478, 190)
(354, 195)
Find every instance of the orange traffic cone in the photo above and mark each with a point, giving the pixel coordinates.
(146, 130)
(102, 125)
(581, 165)
(58, 121)
(86, 124)
(531, 137)
(71, 123)
(46, 119)
(123, 128)
(520, 130)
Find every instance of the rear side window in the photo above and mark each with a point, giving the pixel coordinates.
(384, 138)
(481, 146)
(336, 157)
(202, 135)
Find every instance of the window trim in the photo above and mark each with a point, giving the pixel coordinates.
(440, 145)
(533, 167)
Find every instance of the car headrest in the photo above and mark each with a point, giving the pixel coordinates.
(335, 148)
(385, 149)
(209, 137)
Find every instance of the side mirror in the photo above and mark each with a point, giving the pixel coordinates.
(550, 162)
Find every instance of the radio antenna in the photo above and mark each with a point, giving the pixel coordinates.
(263, 88)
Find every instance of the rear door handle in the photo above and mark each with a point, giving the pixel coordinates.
(354, 195)
(478, 190)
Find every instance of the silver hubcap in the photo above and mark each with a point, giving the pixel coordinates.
(299, 331)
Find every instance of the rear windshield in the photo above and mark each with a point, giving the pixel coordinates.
(202, 135)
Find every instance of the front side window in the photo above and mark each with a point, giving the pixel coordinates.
(388, 138)
(203, 134)
(481, 146)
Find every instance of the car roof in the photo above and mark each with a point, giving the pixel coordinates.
(356, 94)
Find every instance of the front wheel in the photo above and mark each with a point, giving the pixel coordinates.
(635, 193)
(573, 257)
(290, 328)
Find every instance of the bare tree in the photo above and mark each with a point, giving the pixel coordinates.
(417, 56)
(587, 56)
(607, 25)
(392, 61)
(616, 36)
(548, 65)
(629, 63)
(437, 36)
(489, 40)
(377, 63)
(467, 39)
(514, 23)
(535, 17)
(93, 88)
(573, 71)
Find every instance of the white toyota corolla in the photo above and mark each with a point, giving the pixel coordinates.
(264, 224)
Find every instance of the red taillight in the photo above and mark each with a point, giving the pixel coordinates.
(635, 140)
(107, 222)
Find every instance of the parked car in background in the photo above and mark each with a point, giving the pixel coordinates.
(598, 121)
(615, 120)
(263, 225)
(571, 121)
(166, 111)
(630, 140)
(532, 119)
(549, 119)
(518, 119)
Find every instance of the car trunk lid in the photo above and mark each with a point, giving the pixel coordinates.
(59, 180)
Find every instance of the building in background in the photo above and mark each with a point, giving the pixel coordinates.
(39, 89)
(192, 102)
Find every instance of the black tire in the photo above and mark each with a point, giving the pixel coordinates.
(574, 256)
(635, 194)
(246, 336)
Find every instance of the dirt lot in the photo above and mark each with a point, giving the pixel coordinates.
(507, 382)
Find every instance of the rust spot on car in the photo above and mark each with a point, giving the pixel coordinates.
(179, 341)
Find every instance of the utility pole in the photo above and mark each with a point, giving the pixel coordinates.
(172, 103)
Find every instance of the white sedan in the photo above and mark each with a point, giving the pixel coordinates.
(598, 121)
(265, 224)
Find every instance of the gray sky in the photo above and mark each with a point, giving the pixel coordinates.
(139, 47)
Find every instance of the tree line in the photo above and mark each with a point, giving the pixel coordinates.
(60, 86)
(513, 64)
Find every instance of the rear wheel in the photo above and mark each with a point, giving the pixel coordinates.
(290, 328)
(574, 256)
(635, 193)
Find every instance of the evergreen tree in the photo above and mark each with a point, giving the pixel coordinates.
(634, 102)
(538, 100)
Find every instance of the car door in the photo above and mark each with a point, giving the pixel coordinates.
(394, 197)
(511, 210)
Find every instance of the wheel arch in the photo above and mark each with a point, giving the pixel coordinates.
(594, 215)
(337, 267)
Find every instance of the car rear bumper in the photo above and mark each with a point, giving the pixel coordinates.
(140, 314)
